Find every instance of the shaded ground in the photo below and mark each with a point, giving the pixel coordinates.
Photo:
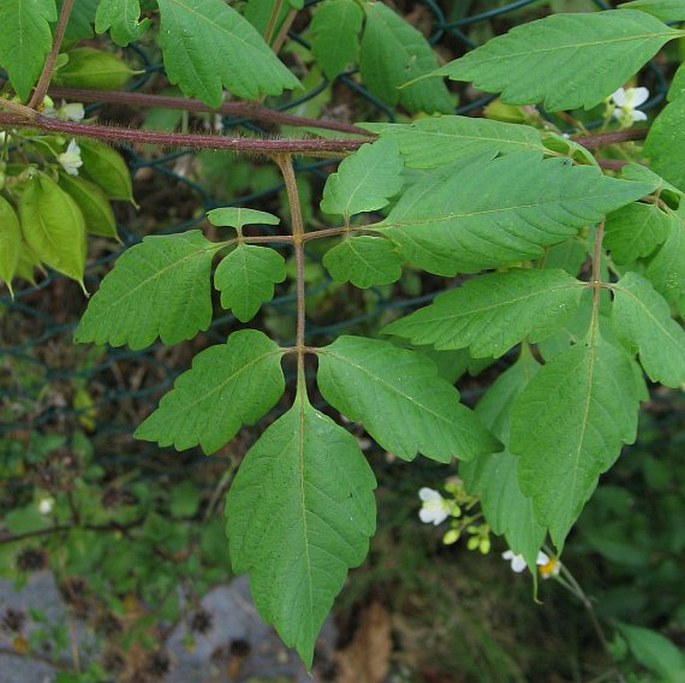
(236, 646)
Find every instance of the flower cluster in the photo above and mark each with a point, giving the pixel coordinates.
(435, 509)
(547, 566)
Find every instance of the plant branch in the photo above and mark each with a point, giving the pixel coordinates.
(597, 255)
(615, 137)
(247, 110)
(20, 111)
(257, 146)
(49, 66)
(273, 18)
(111, 527)
(285, 163)
(611, 164)
(283, 33)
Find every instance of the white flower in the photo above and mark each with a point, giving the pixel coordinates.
(71, 159)
(45, 506)
(435, 508)
(518, 562)
(627, 100)
(71, 112)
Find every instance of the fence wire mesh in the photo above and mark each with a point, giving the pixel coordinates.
(42, 373)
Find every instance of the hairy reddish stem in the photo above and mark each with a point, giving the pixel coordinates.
(258, 146)
(246, 110)
(615, 137)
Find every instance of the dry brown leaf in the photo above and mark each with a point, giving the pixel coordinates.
(367, 658)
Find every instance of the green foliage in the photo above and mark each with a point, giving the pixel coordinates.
(494, 477)
(105, 167)
(444, 224)
(306, 489)
(160, 288)
(364, 261)
(95, 207)
(122, 19)
(81, 20)
(666, 10)
(365, 181)
(237, 217)
(90, 68)
(575, 60)
(392, 53)
(53, 226)
(657, 653)
(491, 314)
(335, 35)
(229, 385)
(10, 242)
(664, 146)
(636, 230)
(208, 45)
(246, 279)
(428, 143)
(666, 270)
(26, 39)
(643, 317)
(422, 413)
(568, 426)
(587, 267)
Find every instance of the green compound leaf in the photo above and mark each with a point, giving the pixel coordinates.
(81, 19)
(495, 476)
(364, 261)
(94, 205)
(335, 35)
(10, 243)
(399, 398)
(106, 168)
(565, 61)
(664, 146)
(666, 271)
(53, 227)
(446, 224)
(394, 52)
(207, 45)
(246, 279)
(493, 312)
(122, 19)
(677, 87)
(666, 10)
(643, 318)
(160, 287)
(655, 652)
(568, 425)
(428, 143)
(237, 217)
(364, 181)
(662, 187)
(228, 386)
(299, 515)
(26, 40)
(569, 255)
(635, 230)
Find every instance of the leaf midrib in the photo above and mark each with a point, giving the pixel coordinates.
(386, 385)
(199, 251)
